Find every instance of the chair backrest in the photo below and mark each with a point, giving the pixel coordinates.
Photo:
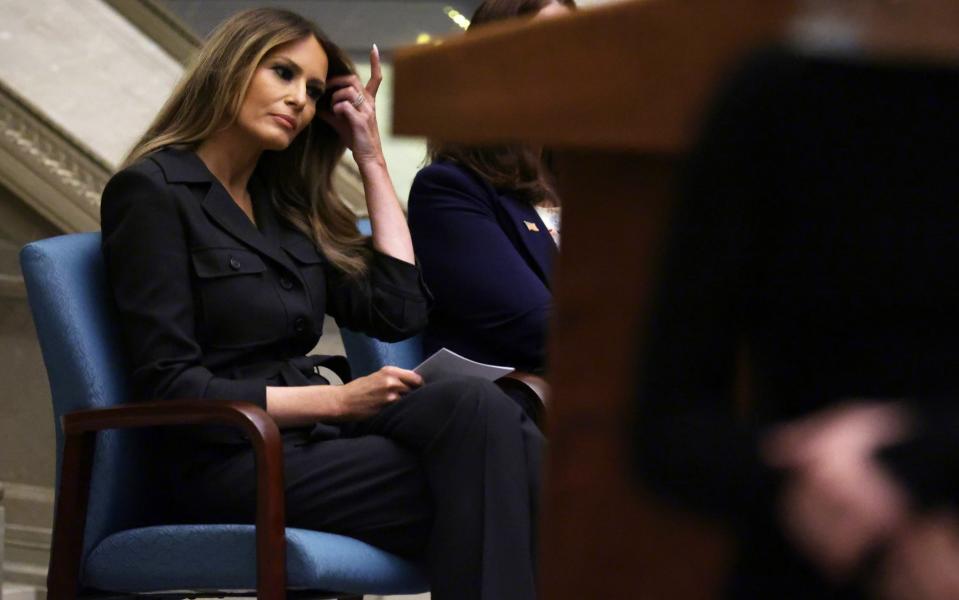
(367, 354)
(76, 323)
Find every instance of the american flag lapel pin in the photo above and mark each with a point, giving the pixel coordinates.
(530, 226)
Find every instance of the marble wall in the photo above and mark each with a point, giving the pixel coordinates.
(85, 67)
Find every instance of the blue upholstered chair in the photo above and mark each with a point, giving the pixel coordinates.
(106, 531)
(367, 354)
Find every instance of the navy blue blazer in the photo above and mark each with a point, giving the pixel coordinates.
(487, 257)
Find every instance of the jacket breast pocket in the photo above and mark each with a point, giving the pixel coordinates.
(311, 264)
(239, 306)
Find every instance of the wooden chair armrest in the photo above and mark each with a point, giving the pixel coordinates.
(533, 387)
(80, 429)
(536, 384)
(253, 420)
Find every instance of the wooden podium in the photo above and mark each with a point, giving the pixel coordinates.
(618, 92)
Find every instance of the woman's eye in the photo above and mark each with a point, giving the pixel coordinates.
(285, 73)
(314, 93)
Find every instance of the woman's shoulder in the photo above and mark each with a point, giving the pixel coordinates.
(145, 167)
(141, 183)
(444, 177)
(447, 171)
(165, 165)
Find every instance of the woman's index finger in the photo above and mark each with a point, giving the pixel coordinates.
(376, 72)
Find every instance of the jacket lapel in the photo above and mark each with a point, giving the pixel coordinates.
(533, 235)
(223, 210)
(184, 166)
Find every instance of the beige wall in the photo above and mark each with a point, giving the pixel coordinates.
(26, 419)
(27, 430)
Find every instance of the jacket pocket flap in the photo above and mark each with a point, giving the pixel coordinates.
(226, 262)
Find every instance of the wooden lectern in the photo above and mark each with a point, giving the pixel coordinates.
(618, 91)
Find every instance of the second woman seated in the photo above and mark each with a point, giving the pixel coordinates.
(485, 226)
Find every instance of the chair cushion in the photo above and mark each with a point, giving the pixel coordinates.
(223, 557)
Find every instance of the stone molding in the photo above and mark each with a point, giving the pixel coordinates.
(52, 172)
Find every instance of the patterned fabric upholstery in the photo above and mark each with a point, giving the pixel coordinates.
(208, 557)
(75, 319)
(367, 354)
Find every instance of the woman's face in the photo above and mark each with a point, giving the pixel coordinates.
(553, 9)
(282, 97)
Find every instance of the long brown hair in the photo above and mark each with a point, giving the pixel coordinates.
(521, 170)
(300, 177)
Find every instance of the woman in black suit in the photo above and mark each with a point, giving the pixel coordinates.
(226, 245)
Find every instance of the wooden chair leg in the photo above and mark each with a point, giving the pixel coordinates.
(63, 578)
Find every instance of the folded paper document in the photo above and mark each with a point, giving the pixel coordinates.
(446, 363)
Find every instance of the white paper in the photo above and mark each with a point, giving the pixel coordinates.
(446, 363)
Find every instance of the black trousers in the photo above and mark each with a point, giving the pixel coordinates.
(449, 474)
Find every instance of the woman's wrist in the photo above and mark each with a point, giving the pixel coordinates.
(372, 162)
(335, 402)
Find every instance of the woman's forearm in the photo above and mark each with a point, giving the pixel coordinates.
(359, 399)
(391, 235)
(304, 405)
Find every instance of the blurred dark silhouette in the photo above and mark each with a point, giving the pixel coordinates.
(818, 235)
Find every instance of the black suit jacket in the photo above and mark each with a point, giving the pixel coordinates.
(215, 307)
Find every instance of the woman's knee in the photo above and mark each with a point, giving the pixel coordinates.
(468, 393)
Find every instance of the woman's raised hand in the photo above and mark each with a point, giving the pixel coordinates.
(353, 111)
(365, 396)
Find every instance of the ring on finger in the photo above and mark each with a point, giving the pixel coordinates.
(359, 100)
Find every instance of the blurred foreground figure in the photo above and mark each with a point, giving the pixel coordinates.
(818, 233)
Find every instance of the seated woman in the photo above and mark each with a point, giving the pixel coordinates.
(485, 225)
(225, 246)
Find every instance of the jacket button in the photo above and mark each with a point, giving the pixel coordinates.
(299, 325)
(234, 263)
(285, 283)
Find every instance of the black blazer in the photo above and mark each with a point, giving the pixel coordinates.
(487, 258)
(213, 306)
